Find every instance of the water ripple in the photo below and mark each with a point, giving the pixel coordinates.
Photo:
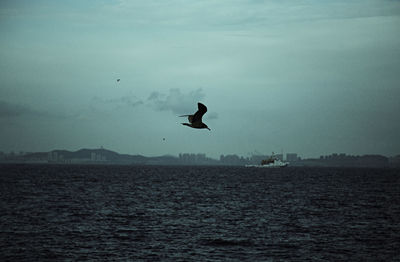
(52, 213)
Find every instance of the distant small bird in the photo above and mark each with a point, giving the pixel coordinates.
(118, 80)
(163, 139)
(195, 121)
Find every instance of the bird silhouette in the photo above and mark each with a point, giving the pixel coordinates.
(195, 121)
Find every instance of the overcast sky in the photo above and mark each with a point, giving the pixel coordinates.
(309, 77)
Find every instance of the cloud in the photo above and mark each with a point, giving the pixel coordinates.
(129, 100)
(176, 101)
(11, 110)
(250, 13)
(107, 107)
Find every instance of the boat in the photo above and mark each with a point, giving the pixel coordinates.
(271, 162)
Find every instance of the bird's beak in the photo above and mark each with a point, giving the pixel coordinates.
(208, 129)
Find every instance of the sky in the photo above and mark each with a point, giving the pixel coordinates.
(307, 77)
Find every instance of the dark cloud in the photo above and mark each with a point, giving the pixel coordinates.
(13, 110)
(129, 100)
(9, 110)
(176, 101)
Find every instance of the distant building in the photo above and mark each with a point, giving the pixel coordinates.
(200, 157)
(233, 160)
(187, 158)
(52, 156)
(95, 157)
(292, 157)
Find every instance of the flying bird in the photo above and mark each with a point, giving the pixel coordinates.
(118, 80)
(195, 120)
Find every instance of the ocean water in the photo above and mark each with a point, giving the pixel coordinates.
(131, 213)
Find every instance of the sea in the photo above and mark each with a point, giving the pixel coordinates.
(198, 213)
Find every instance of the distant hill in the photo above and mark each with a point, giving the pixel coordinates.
(85, 153)
(98, 155)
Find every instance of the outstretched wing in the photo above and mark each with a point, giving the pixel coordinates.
(199, 114)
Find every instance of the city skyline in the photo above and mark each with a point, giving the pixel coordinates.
(281, 155)
(103, 156)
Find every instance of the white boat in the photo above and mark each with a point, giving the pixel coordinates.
(272, 162)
